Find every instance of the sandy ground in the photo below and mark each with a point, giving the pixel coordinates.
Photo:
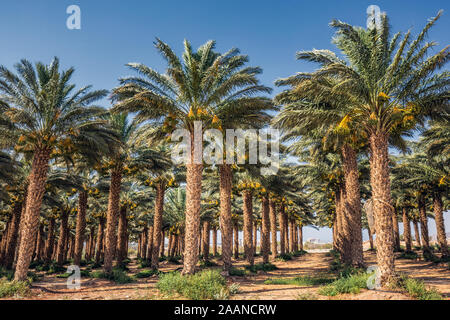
(252, 287)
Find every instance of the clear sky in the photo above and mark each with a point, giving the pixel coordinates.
(116, 32)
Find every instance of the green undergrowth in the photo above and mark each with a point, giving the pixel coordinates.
(207, 264)
(408, 255)
(117, 275)
(83, 273)
(416, 288)
(206, 284)
(14, 288)
(261, 267)
(302, 281)
(237, 272)
(352, 283)
(146, 273)
(284, 257)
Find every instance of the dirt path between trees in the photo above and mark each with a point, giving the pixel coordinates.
(252, 287)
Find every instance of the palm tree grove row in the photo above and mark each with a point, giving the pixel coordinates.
(80, 183)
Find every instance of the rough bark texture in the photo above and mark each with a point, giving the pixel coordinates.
(122, 235)
(214, 242)
(295, 236)
(273, 227)
(226, 226)
(292, 237)
(50, 240)
(163, 241)
(40, 243)
(111, 219)
(157, 225)
(150, 243)
(100, 236)
(193, 198)
(342, 227)
(81, 226)
(353, 204)
(205, 240)
(382, 207)
(406, 229)
(370, 239)
(30, 220)
(282, 229)
(440, 226)
(255, 237)
(416, 233)
(265, 229)
(145, 243)
(12, 237)
(236, 240)
(62, 241)
(300, 237)
(396, 231)
(248, 226)
(424, 223)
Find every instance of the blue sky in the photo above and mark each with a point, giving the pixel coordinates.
(116, 32)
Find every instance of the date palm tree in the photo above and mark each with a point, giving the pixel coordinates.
(430, 176)
(394, 86)
(128, 159)
(43, 110)
(312, 109)
(202, 86)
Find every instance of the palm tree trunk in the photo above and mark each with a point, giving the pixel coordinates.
(353, 204)
(169, 249)
(248, 223)
(150, 243)
(81, 226)
(424, 223)
(226, 227)
(163, 242)
(214, 233)
(71, 244)
(416, 233)
(193, 202)
(62, 241)
(100, 235)
(382, 207)
(440, 226)
(396, 231)
(295, 236)
(122, 236)
(145, 244)
(255, 237)
(40, 242)
(292, 232)
(30, 220)
(14, 232)
(205, 252)
(286, 228)
(111, 219)
(265, 229)
(236, 240)
(346, 228)
(157, 225)
(406, 230)
(370, 238)
(200, 232)
(92, 244)
(50, 240)
(282, 229)
(300, 237)
(273, 227)
(3, 243)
